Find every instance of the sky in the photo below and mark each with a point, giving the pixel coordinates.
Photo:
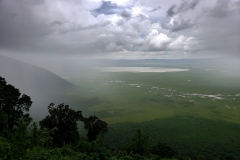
(120, 29)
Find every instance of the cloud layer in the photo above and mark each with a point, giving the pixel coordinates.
(120, 28)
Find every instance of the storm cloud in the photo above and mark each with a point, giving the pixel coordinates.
(178, 24)
(222, 9)
(171, 11)
(125, 14)
(183, 7)
(105, 28)
(19, 28)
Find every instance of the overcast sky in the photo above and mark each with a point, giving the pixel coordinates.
(120, 28)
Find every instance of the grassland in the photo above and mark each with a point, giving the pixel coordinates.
(139, 97)
(196, 112)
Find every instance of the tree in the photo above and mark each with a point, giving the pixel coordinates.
(20, 140)
(140, 143)
(14, 104)
(94, 127)
(3, 122)
(65, 119)
(163, 150)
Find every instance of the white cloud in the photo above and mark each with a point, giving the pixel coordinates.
(184, 43)
(157, 41)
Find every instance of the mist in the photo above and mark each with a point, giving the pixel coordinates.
(43, 86)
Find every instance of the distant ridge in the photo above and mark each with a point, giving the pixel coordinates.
(44, 87)
(27, 77)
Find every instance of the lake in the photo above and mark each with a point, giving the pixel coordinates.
(138, 69)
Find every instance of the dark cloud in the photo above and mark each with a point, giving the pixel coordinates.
(164, 26)
(142, 17)
(19, 27)
(178, 24)
(34, 2)
(155, 9)
(221, 10)
(56, 23)
(74, 27)
(185, 6)
(170, 11)
(125, 14)
(108, 8)
(237, 4)
(181, 25)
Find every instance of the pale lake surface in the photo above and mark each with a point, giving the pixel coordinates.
(138, 69)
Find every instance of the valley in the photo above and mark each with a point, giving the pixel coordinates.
(195, 111)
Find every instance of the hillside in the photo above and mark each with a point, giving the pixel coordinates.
(41, 85)
(27, 77)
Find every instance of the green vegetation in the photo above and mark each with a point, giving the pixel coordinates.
(94, 127)
(187, 115)
(191, 135)
(65, 121)
(195, 112)
(14, 104)
(140, 97)
(58, 136)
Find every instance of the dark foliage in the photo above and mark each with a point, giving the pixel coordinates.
(93, 148)
(65, 119)
(139, 144)
(14, 104)
(163, 150)
(94, 127)
(3, 122)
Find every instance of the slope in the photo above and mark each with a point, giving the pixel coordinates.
(41, 85)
